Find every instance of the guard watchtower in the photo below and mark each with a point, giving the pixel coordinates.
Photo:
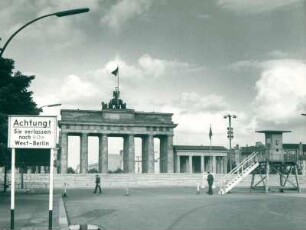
(275, 161)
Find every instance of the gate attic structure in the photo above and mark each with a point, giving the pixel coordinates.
(125, 123)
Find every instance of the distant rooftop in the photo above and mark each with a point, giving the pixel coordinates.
(198, 147)
(273, 131)
(250, 149)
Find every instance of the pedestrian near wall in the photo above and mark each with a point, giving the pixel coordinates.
(210, 181)
(98, 186)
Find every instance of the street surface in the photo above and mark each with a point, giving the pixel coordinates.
(182, 208)
(31, 211)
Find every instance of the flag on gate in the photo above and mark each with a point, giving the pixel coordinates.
(210, 133)
(116, 71)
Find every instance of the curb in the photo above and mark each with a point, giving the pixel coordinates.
(62, 215)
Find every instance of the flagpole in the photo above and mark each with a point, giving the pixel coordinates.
(210, 139)
(118, 77)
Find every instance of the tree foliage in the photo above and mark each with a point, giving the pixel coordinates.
(70, 170)
(15, 99)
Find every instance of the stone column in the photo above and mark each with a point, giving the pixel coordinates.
(190, 164)
(178, 164)
(170, 156)
(125, 155)
(64, 152)
(129, 154)
(225, 165)
(163, 155)
(222, 165)
(202, 164)
(103, 153)
(151, 154)
(145, 155)
(214, 164)
(84, 153)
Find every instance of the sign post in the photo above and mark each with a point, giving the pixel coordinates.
(52, 152)
(13, 189)
(32, 132)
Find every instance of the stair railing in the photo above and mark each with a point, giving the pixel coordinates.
(245, 162)
(240, 168)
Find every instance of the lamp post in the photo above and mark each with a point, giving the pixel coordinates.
(51, 105)
(58, 14)
(230, 135)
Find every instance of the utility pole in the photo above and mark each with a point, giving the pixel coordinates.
(230, 136)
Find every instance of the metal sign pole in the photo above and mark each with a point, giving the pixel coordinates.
(12, 188)
(52, 151)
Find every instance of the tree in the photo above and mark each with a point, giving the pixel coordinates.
(15, 99)
(93, 170)
(70, 170)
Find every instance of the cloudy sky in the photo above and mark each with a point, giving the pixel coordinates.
(197, 59)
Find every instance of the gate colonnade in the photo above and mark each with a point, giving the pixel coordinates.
(126, 123)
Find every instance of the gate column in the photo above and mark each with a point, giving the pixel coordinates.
(148, 154)
(166, 154)
(84, 153)
(170, 156)
(178, 164)
(103, 153)
(64, 152)
(145, 155)
(129, 154)
(151, 154)
(163, 155)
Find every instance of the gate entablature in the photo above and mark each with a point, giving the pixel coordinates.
(116, 122)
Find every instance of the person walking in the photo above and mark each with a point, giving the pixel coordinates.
(98, 181)
(210, 181)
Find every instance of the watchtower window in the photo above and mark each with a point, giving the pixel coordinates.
(276, 142)
(268, 141)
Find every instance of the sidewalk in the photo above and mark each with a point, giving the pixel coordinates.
(32, 211)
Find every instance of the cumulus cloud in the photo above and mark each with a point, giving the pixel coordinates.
(281, 93)
(95, 85)
(254, 6)
(278, 54)
(193, 102)
(124, 11)
(244, 65)
(147, 67)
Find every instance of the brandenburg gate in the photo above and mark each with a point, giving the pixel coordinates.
(114, 120)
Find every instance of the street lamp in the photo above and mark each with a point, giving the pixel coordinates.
(58, 14)
(51, 105)
(230, 135)
(303, 114)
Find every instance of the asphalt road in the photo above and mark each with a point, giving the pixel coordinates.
(31, 211)
(182, 208)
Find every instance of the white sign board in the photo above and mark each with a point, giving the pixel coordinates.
(32, 132)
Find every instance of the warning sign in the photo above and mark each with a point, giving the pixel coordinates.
(32, 132)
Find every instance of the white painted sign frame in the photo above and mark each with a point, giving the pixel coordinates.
(41, 129)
